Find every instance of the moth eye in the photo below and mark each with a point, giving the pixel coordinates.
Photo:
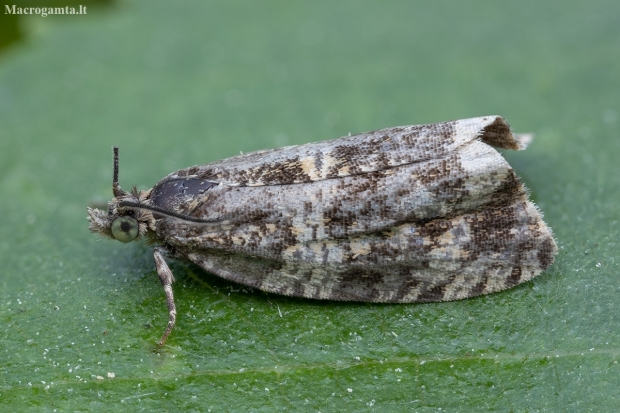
(125, 229)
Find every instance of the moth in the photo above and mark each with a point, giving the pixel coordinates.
(399, 215)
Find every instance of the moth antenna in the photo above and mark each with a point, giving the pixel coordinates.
(116, 188)
(165, 212)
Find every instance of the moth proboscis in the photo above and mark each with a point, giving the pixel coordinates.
(406, 214)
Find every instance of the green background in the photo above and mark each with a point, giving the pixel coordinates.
(181, 83)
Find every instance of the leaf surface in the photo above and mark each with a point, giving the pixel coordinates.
(192, 83)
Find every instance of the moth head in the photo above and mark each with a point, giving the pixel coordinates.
(125, 228)
(121, 222)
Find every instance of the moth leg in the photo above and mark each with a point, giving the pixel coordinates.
(166, 278)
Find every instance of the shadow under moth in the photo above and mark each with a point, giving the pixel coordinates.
(399, 215)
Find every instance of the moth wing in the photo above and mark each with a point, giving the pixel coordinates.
(257, 220)
(442, 260)
(351, 155)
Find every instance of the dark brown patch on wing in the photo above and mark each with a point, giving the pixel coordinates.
(515, 276)
(508, 190)
(547, 253)
(171, 192)
(479, 287)
(498, 134)
(364, 282)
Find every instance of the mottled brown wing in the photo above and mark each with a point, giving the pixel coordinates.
(442, 260)
(265, 220)
(435, 215)
(351, 155)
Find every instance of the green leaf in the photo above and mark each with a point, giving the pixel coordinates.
(177, 84)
